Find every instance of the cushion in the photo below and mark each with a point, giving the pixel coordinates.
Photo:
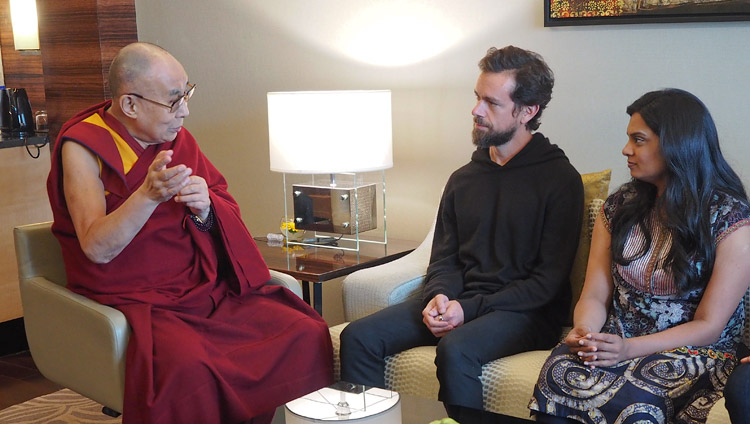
(413, 372)
(507, 383)
(595, 186)
(336, 340)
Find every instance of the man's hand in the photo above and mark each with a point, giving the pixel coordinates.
(442, 315)
(745, 360)
(195, 196)
(604, 350)
(162, 183)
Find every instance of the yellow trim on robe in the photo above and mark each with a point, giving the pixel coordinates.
(101, 166)
(127, 154)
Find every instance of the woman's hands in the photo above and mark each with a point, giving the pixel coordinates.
(597, 349)
(574, 338)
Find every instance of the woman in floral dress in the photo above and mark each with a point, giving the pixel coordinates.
(657, 326)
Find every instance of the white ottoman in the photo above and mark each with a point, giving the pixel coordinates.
(345, 402)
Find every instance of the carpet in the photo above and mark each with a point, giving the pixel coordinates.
(62, 407)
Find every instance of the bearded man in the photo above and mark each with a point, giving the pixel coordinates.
(505, 238)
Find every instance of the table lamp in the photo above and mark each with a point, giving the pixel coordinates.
(338, 134)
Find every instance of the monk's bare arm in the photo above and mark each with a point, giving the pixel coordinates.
(103, 236)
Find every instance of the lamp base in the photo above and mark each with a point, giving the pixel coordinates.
(335, 209)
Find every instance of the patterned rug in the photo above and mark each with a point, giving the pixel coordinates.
(61, 407)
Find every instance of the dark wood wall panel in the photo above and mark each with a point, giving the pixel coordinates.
(20, 70)
(117, 28)
(79, 39)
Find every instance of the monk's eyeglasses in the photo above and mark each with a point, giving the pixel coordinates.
(184, 98)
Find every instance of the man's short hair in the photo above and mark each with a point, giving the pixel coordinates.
(534, 79)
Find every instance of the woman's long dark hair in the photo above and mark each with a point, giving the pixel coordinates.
(696, 169)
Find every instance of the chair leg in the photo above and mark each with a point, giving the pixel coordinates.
(110, 412)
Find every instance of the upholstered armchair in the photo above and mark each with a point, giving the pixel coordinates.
(75, 341)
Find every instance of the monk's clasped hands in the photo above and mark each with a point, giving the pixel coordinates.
(163, 183)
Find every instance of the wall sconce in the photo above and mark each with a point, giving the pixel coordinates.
(25, 26)
(330, 133)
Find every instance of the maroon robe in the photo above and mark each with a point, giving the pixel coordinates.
(210, 342)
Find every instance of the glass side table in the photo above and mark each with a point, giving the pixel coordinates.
(345, 402)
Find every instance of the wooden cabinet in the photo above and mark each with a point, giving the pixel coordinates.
(23, 200)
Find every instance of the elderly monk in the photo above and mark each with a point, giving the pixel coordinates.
(147, 226)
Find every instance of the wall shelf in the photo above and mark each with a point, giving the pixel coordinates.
(37, 140)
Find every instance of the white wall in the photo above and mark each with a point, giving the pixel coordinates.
(237, 50)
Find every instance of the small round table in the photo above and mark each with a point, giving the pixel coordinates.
(345, 402)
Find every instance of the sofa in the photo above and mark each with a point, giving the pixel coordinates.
(507, 382)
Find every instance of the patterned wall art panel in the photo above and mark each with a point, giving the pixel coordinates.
(604, 12)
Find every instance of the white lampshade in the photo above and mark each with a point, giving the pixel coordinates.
(330, 132)
(25, 26)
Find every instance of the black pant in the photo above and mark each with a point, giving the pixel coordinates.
(737, 392)
(550, 419)
(460, 354)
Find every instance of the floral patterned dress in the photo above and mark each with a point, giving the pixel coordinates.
(677, 386)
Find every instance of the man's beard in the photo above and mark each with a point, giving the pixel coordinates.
(486, 139)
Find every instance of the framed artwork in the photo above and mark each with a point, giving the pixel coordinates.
(604, 12)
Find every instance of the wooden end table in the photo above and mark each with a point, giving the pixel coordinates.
(317, 264)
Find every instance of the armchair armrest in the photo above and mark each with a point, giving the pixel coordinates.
(372, 289)
(76, 340)
(285, 280)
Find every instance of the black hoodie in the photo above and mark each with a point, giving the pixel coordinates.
(506, 235)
